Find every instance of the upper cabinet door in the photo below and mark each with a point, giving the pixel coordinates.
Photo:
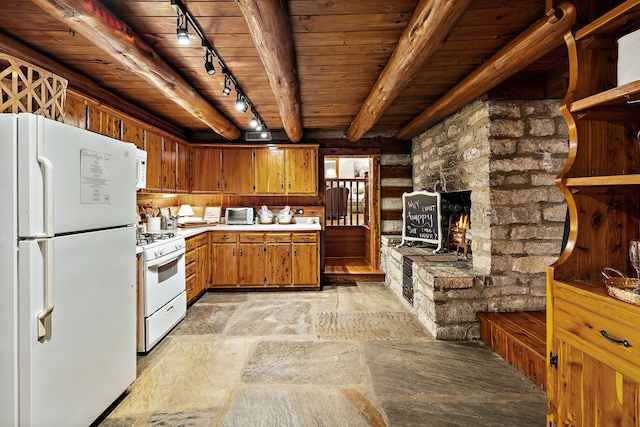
(270, 171)
(301, 167)
(237, 171)
(206, 169)
(132, 132)
(153, 146)
(183, 167)
(168, 164)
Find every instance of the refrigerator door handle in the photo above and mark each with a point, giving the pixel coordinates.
(47, 172)
(48, 289)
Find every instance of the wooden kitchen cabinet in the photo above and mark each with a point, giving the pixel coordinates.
(237, 171)
(175, 163)
(206, 169)
(196, 266)
(75, 110)
(153, 146)
(593, 340)
(183, 165)
(269, 167)
(301, 170)
(190, 268)
(93, 117)
(169, 162)
(265, 259)
(111, 124)
(103, 120)
(254, 170)
(305, 261)
(286, 170)
(251, 255)
(133, 132)
(224, 260)
(277, 265)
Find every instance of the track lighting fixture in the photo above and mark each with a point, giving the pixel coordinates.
(226, 91)
(181, 31)
(243, 104)
(254, 122)
(208, 63)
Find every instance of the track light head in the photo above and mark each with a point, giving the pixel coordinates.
(226, 91)
(241, 104)
(181, 31)
(208, 63)
(254, 122)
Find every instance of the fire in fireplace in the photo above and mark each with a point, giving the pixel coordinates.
(459, 234)
(456, 210)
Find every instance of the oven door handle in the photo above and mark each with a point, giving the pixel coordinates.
(165, 259)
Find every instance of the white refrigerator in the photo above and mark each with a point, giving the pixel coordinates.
(67, 272)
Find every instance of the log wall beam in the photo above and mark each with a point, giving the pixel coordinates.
(95, 22)
(539, 39)
(431, 23)
(268, 22)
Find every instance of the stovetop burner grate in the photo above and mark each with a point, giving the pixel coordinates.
(151, 237)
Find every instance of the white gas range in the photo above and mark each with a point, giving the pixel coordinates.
(162, 296)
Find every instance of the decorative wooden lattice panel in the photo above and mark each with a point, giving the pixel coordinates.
(25, 88)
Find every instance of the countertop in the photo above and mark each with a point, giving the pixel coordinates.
(298, 224)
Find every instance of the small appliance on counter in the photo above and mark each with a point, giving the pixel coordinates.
(239, 216)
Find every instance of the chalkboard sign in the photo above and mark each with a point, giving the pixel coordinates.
(421, 217)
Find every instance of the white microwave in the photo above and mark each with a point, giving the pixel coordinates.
(239, 216)
(141, 169)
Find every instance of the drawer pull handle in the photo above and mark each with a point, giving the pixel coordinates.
(615, 340)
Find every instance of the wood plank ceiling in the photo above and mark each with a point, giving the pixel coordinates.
(340, 50)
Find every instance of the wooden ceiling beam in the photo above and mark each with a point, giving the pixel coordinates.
(539, 39)
(95, 22)
(431, 23)
(268, 22)
(83, 84)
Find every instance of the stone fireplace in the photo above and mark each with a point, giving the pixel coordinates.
(499, 159)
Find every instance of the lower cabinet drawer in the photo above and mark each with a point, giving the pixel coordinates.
(224, 237)
(605, 339)
(189, 257)
(304, 237)
(190, 270)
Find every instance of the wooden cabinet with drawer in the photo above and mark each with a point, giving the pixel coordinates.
(265, 260)
(593, 339)
(596, 343)
(305, 261)
(224, 264)
(277, 264)
(250, 260)
(196, 265)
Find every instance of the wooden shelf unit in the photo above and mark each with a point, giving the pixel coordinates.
(593, 377)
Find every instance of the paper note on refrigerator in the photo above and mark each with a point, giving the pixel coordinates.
(95, 177)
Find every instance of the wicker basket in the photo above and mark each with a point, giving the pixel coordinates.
(621, 287)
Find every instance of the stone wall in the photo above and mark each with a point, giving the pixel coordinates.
(507, 153)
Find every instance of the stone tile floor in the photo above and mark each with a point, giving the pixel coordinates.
(349, 355)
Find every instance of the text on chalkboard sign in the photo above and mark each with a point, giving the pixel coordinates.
(421, 217)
